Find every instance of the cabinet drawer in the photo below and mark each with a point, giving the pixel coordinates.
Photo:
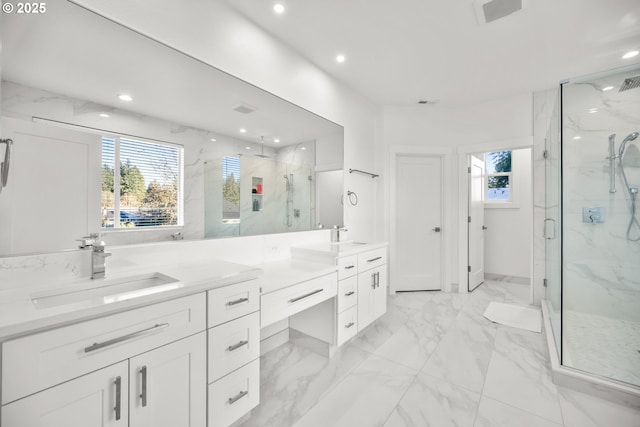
(233, 344)
(347, 266)
(38, 361)
(347, 324)
(347, 293)
(233, 301)
(234, 395)
(371, 259)
(285, 302)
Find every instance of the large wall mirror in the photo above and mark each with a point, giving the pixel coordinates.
(116, 133)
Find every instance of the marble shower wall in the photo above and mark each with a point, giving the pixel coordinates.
(601, 269)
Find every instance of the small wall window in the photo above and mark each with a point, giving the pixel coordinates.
(499, 184)
(141, 183)
(231, 190)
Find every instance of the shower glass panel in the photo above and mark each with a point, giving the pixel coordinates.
(600, 177)
(553, 225)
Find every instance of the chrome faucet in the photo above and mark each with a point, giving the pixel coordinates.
(98, 254)
(335, 233)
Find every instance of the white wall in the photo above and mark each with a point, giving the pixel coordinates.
(507, 244)
(218, 35)
(484, 125)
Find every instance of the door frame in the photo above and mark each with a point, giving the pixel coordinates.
(463, 201)
(445, 155)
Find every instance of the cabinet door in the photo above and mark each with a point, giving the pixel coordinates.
(372, 295)
(366, 287)
(98, 399)
(169, 385)
(379, 302)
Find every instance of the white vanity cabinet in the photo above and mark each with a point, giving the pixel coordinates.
(141, 368)
(372, 286)
(233, 352)
(362, 284)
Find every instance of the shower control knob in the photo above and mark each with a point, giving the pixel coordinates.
(437, 229)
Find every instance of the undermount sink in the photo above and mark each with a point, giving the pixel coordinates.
(348, 242)
(106, 291)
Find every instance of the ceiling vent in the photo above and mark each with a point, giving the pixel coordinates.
(491, 10)
(245, 109)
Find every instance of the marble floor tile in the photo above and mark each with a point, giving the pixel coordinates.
(411, 346)
(462, 356)
(492, 413)
(365, 398)
(583, 410)
(376, 334)
(518, 375)
(431, 402)
(293, 379)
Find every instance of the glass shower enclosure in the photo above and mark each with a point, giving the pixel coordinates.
(592, 226)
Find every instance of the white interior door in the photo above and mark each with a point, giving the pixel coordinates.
(418, 223)
(476, 223)
(45, 207)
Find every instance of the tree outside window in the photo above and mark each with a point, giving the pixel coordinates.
(498, 172)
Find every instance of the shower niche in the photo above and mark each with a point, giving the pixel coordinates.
(256, 194)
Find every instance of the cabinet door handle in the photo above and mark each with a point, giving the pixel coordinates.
(373, 280)
(305, 295)
(237, 397)
(348, 325)
(348, 294)
(237, 346)
(374, 259)
(238, 301)
(118, 383)
(143, 394)
(349, 267)
(99, 345)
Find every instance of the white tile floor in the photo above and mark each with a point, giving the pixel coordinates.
(431, 360)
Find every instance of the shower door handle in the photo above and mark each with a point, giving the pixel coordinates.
(549, 231)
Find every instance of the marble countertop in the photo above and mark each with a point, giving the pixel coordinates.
(337, 250)
(19, 315)
(281, 274)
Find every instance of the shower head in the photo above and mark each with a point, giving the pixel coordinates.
(628, 138)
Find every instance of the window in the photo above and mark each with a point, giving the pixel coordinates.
(231, 190)
(499, 180)
(147, 191)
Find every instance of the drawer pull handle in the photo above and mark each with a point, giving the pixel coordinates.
(237, 346)
(349, 267)
(348, 325)
(99, 345)
(348, 294)
(143, 395)
(305, 295)
(238, 301)
(374, 259)
(237, 397)
(118, 383)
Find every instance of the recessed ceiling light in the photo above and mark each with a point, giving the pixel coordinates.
(125, 97)
(577, 137)
(278, 8)
(213, 140)
(303, 148)
(593, 110)
(276, 140)
(340, 59)
(247, 148)
(243, 130)
(105, 115)
(630, 54)
(604, 89)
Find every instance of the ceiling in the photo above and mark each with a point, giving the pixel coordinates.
(402, 51)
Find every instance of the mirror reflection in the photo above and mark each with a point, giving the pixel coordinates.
(117, 133)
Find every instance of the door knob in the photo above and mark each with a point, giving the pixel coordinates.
(437, 229)
(484, 227)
